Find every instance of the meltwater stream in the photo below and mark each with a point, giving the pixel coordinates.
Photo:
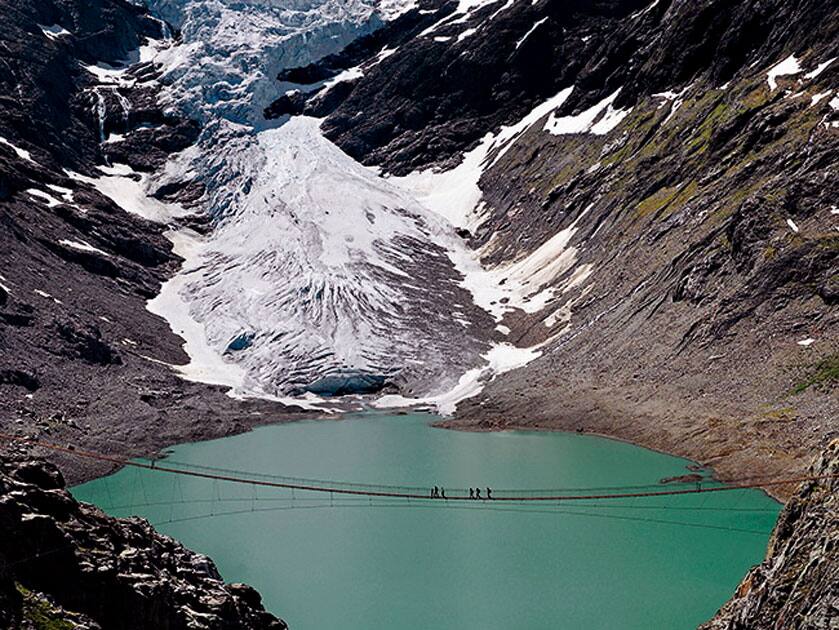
(324, 563)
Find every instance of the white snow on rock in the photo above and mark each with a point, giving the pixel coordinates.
(644, 11)
(53, 31)
(816, 98)
(21, 153)
(128, 189)
(820, 68)
(806, 342)
(500, 359)
(454, 194)
(350, 74)
(47, 296)
(467, 33)
(526, 283)
(44, 197)
(599, 119)
(65, 193)
(206, 364)
(530, 32)
(676, 99)
(392, 9)
(107, 74)
(792, 225)
(83, 246)
(787, 67)
(3, 284)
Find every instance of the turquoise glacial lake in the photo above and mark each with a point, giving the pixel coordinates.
(327, 562)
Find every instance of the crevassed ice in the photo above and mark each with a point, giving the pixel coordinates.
(316, 269)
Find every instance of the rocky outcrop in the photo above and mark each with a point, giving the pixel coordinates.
(797, 586)
(69, 564)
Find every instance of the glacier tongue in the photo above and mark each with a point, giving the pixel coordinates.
(318, 274)
(324, 270)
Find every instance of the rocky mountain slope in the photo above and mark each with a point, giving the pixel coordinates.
(82, 248)
(659, 189)
(68, 565)
(797, 586)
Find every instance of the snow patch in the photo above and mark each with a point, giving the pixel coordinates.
(530, 32)
(43, 196)
(351, 74)
(522, 284)
(53, 31)
(47, 296)
(21, 153)
(501, 358)
(392, 9)
(676, 98)
(108, 74)
(787, 67)
(454, 194)
(599, 119)
(206, 364)
(806, 342)
(820, 68)
(638, 14)
(128, 189)
(65, 193)
(467, 33)
(792, 225)
(818, 97)
(83, 246)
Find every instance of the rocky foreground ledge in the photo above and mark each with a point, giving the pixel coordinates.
(797, 585)
(65, 564)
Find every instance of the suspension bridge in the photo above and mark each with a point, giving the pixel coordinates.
(616, 502)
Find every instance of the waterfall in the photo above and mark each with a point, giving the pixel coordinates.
(99, 110)
(125, 105)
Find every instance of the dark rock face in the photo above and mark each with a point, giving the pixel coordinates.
(80, 356)
(67, 561)
(797, 586)
(442, 92)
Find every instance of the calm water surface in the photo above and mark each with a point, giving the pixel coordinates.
(356, 564)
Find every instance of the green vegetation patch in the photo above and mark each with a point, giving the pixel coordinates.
(674, 197)
(826, 372)
(40, 613)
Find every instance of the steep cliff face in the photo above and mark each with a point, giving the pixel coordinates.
(797, 586)
(68, 565)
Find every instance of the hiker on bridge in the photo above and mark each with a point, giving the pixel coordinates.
(471, 493)
(489, 493)
(477, 493)
(442, 493)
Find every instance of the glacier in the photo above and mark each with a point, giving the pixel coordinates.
(320, 276)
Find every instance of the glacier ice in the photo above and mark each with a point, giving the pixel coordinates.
(319, 275)
(337, 279)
